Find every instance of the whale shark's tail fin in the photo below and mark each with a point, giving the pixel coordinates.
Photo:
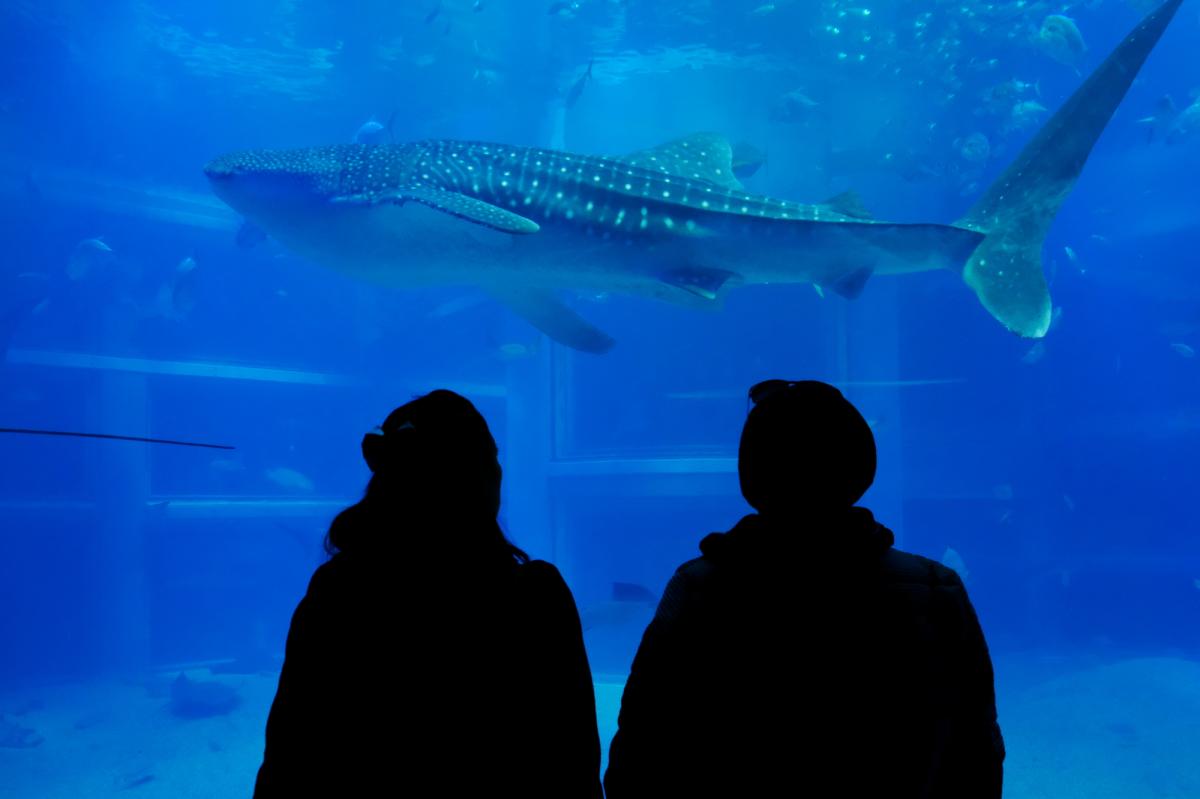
(1016, 211)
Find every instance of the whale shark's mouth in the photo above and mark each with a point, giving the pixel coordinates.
(219, 169)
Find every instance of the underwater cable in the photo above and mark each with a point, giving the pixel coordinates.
(112, 437)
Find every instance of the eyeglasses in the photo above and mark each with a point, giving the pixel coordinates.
(376, 445)
(379, 431)
(760, 391)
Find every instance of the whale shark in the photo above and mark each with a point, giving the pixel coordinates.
(672, 222)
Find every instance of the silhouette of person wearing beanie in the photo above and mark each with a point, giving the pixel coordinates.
(802, 654)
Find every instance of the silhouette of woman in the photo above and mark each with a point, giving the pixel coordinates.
(431, 656)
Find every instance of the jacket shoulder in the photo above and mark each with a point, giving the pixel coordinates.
(540, 572)
(541, 581)
(694, 568)
(906, 567)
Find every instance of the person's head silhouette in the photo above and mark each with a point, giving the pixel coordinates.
(805, 450)
(435, 478)
(436, 452)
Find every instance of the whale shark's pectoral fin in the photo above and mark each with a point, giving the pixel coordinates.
(548, 314)
(852, 285)
(455, 204)
(698, 280)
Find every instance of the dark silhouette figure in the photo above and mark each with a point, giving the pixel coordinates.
(430, 656)
(801, 655)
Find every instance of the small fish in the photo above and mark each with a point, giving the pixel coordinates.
(1186, 125)
(374, 132)
(194, 699)
(1183, 350)
(183, 291)
(629, 602)
(1055, 319)
(1196, 583)
(763, 10)
(974, 148)
(820, 291)
(793, 107)
(249, 235)
(176, 298)
(488, 77)
(133, 779)
(1070, 503)
(433, 15)
(1022, 86)
(952, 560)
(1024, 114)
(1158, 125)
(227, 465)
(89, 255)
(513, 351)
(1035, 353)
(478, 6)
(562, 9)
(284, 477)
(1059, 38)
(576, 90)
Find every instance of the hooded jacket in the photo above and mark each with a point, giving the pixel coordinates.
(809, 662)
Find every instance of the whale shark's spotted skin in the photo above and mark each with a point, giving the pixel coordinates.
(640, 192)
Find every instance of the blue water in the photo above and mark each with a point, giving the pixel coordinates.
(1056, 476)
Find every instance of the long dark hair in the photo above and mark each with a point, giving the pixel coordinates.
(435, 486)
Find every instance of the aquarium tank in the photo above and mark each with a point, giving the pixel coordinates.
(238, 234)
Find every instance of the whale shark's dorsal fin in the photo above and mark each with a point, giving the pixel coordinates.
(700, 156)
(849, 204)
